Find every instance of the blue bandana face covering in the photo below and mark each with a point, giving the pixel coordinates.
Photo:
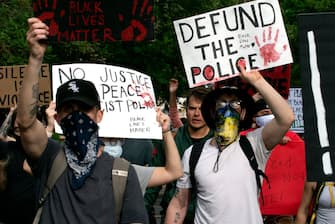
(227, 122)
(81, 145)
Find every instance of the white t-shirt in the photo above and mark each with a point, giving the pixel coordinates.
(229, 195)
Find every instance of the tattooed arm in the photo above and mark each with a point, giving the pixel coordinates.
(32, 131)
(177, 209)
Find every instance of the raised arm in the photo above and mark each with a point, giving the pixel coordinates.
(275, 130)
(173, 168)
(32, 131)
(178, 205)
(173, 108)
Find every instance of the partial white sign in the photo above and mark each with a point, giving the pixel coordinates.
(212, 43)
(295, 100)
(127, 98)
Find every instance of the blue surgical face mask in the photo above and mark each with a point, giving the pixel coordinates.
(115, 151)
(263, 120)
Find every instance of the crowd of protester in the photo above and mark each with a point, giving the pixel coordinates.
(221, 188)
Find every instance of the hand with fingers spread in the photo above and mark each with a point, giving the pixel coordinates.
(268, 47)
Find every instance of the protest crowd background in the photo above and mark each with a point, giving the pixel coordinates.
(142, 54)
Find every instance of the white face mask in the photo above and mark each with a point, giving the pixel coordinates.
(113, 150)
(263, 120)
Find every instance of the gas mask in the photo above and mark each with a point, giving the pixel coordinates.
(263, 120)
(227, 124)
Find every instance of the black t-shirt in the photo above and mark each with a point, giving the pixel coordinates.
(94, 201)
(137, 151)
(17, 202)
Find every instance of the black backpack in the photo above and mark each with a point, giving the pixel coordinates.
(248, 151)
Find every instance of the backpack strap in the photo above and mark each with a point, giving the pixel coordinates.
(315, 198)
(58, 166)
(194, 158)
(119, 181)
(249, 153)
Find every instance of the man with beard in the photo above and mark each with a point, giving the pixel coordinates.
(83, 193)
(226, 185)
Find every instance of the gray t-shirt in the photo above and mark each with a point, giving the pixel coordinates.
(94, 201)
(326, 211)
(144, 174)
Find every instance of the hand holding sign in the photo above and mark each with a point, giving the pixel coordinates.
(163, 119)
(252, 76)
(37, 31)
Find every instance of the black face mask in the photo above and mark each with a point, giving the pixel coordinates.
(81, 145)
(78, 129)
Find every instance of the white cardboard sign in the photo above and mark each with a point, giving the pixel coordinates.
(212, 43)
(295, 100)
(127, 98)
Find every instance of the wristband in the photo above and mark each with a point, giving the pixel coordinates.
(166, 131)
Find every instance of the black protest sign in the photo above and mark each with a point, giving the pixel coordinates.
(317, 47)
(97, 20)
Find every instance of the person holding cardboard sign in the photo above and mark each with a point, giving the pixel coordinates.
(83, 193)
(225, 181)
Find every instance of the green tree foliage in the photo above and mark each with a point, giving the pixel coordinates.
(160, 58)
(13, 47)
(290, 10)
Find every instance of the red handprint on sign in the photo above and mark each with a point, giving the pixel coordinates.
(47, 8)
(136, 30)
(267, 50)
(148, 100)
